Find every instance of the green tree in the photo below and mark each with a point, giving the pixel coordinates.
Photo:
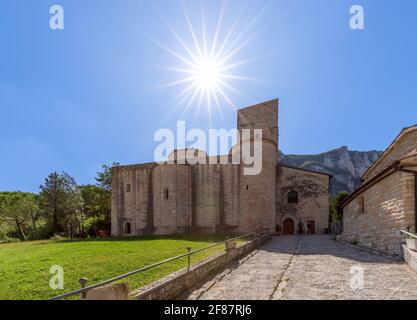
(19, 210)
(60, 202)
(96, 201)
(73, 218)
(335, 212)
(104, 177)
(96, 207)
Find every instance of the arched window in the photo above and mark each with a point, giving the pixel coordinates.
(128, 228)
(293, 197)
(166, 194)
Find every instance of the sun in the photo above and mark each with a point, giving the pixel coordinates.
(207, 74)
(207, 63)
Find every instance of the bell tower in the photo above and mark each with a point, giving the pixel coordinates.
(257, 195)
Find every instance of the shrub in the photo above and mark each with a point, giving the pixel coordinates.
(58, 238)
(7, 239)
(336, 213)
(97, 226)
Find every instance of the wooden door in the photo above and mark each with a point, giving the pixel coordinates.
(288, 226)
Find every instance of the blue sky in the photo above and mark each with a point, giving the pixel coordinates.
(74, 99)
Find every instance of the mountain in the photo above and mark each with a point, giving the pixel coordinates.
(346, 166)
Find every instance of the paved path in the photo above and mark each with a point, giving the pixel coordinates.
(310, 267)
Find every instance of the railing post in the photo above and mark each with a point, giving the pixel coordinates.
(189, 258)
(230, 245)
(83, 282)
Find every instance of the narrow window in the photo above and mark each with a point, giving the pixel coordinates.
(363, 204)
(128, 228)
(292, 197)
(166, 193)
(247, 187)
(128, 187)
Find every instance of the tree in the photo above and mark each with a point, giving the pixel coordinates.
(96, 200)
(104, 177)
(60, 202)
(34, 212)
(335, 212)
(73, 218)
(96, 207)
(20, 210)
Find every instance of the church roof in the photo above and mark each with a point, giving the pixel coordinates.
(407, 164)
(307, 170)
(402, 133)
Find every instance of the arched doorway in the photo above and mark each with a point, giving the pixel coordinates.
(128, 228)
(288, 226)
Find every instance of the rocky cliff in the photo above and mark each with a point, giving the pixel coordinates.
(346, 166)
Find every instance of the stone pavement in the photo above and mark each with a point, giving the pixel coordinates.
(310, 267)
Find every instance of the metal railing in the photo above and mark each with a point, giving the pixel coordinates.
(190, 252)
(408, 234)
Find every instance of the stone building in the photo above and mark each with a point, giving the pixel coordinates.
(175, 198)
(386, 201)
(302, 195)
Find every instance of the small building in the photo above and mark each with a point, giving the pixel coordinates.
(190, 197)
(386, 201)
(303, 196)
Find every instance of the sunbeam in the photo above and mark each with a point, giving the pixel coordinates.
(203, 63)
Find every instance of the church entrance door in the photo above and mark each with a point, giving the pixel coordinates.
(288, 226)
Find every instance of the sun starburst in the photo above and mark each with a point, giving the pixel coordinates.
(206, 66)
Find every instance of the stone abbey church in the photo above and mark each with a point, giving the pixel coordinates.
(173, 198)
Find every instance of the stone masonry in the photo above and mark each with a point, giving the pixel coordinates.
(386, 203)
(313, 203)
(388, 207)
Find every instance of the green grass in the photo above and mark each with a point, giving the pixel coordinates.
(24, 267)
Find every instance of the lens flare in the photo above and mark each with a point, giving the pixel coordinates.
(207, 63)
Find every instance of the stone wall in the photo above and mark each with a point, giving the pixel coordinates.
(374, 217)
(177, 283)
(171, 199)
(404, 147)
(257, 197)
(261, 116)
(229, 208)
(410, 257)
(134, 206)
(207, 198)
(313, 198)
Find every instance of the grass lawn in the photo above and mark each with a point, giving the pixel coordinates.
(24, 267)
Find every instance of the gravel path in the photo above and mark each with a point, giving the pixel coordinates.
(311, 267)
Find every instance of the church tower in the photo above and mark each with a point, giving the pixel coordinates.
(257, 194)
